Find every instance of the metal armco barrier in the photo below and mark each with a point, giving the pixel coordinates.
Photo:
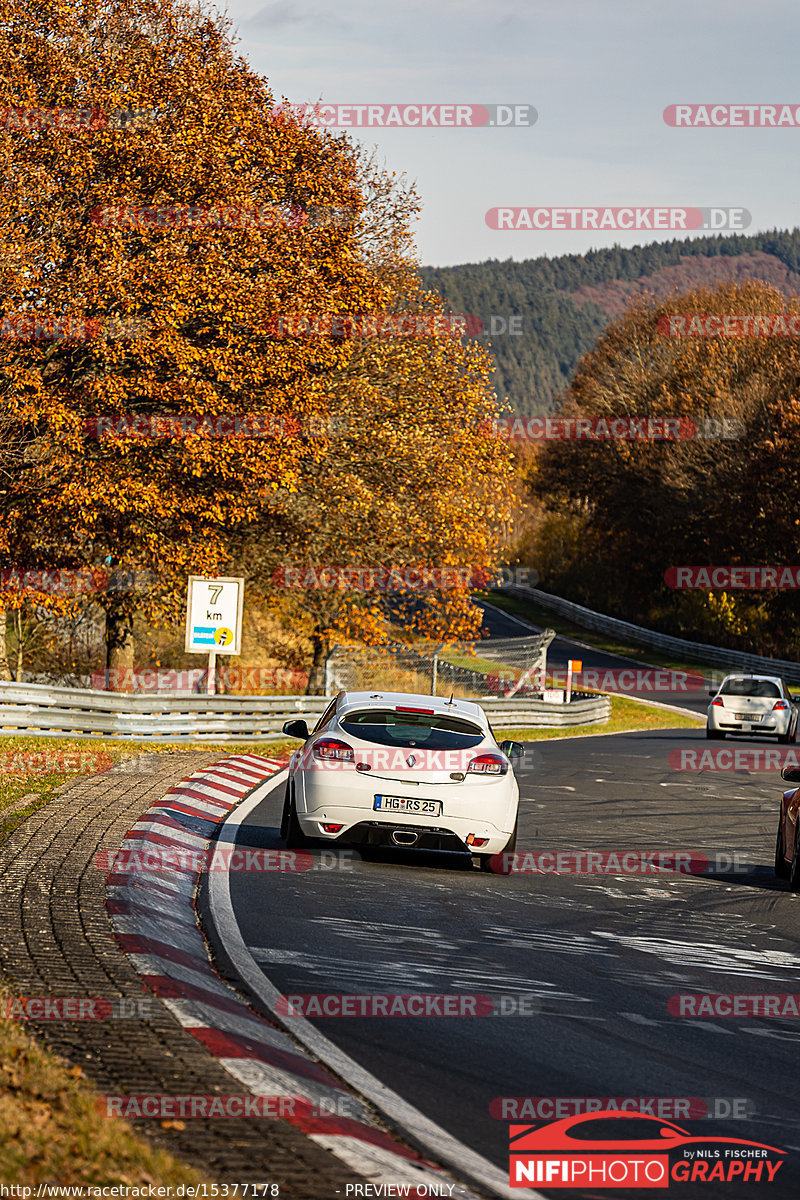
(29, 709)
(713, 656)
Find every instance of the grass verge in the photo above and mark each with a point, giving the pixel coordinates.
(626, 714)
(34, 770)
(52, 1132)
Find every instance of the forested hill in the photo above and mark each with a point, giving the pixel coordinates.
(562, 304)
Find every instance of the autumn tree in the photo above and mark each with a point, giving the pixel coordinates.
(623, 511)
(180, 298)
(411, 477)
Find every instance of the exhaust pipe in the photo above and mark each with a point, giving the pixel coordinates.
(401, 838)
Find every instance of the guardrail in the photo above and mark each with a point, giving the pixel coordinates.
(35, 709)
(714, 656)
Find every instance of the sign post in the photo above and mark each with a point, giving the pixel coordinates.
(214, 619)
(574, 666)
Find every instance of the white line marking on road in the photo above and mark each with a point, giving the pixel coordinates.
(638, 1019)
(423, 1132)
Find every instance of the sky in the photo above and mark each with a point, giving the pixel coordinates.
(599, 74)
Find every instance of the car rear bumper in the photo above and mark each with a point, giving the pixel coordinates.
(721, 720)
(409, 837)
(481, 810)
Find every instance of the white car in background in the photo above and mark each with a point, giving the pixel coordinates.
(752, 704)
(397, 769)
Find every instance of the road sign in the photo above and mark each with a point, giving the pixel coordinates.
(214, 615)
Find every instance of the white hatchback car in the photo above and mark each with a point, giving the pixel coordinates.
(752, 704)
(393, 769)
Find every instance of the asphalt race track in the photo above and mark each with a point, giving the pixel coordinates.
(506, 625)
(600, 954)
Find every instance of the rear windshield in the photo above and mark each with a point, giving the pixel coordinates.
(750, 687)
(434, 731)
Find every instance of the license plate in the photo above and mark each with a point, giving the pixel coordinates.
(430, 808)
(756, 717)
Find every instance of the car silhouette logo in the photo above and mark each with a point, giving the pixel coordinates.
(629, 1150)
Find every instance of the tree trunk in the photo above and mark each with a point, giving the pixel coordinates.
(316, 678)
(18, 629)
(4, 671)
(119, 649)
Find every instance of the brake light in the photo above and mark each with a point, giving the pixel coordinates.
(781, 704)
(488, 764)
(332, 750)
(332, 829)
(718, 702)
(427, 711)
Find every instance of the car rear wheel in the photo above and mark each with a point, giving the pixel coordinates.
(781, 869)
(794, 869)
(290, 826)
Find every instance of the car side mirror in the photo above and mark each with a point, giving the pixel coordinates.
(513, 749)
(712, 693)
(791, 774)
(297, 729)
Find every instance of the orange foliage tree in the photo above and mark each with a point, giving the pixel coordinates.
(131, 286)
(177, 312)
(623, 511)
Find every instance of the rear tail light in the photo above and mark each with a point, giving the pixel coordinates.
(488, 764)
(473, 841)
(780, 705)
(332, 829)
(332, 750)
(718, 702)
